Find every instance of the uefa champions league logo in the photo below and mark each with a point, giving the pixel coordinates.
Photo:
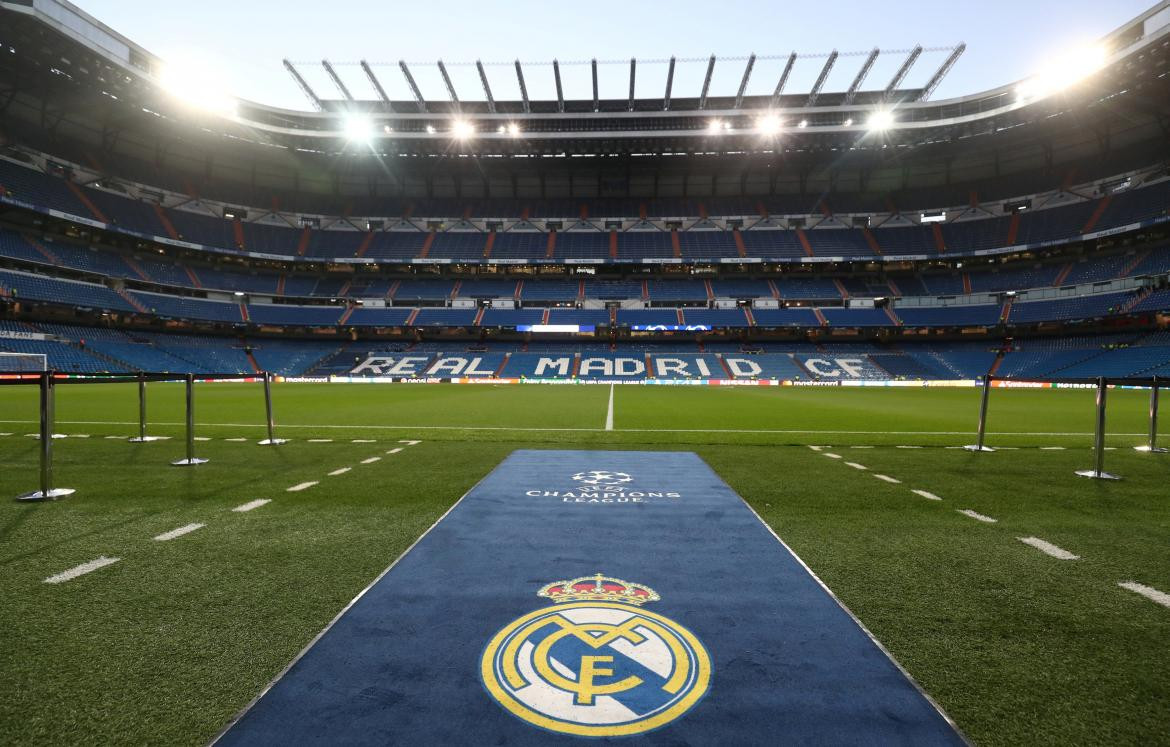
(601, 479)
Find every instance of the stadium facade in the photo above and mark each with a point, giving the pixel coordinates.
(806, 236)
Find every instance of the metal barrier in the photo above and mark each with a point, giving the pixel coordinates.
(49, 380)
(1102, 385)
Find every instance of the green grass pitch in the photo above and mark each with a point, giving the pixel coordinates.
(165, 645)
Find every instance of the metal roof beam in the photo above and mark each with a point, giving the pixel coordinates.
(902, 72)
(941, 73)
(422, 103)
(855, 86)
(486, 88)
(669, 85)
(336, 80)
(815, 93)
(783, 79)
(450, 86)
(596, 99)
(305, 89)
(633, 69)
(523, 88)
(707, 83)
(377, 84)
(560, 92)
(747, 74)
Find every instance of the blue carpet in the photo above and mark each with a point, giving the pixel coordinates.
(700, 629)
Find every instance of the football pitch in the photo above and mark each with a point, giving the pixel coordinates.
(224, 574)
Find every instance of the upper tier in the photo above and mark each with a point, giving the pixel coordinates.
(746, 234)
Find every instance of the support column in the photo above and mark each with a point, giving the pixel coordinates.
(982, 433)
(142, 437)
(191, 459)
(272, 440)
(1098, 472)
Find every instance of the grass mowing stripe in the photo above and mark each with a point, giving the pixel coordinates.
(179, 532)
(251, 505)
(1149, 592)
(1048, 548)
(81, 570)
(977, 516)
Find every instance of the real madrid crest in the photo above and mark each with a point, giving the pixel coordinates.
(595, 663)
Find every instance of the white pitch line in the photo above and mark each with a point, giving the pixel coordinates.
(831, 455)
(1149, 592)
(108, 438)
(855, 465)
(371, 460)
(78, 435)
(5, 434)
(237, 440)
(815, 448)
(408, 442)
(1051, 448)
(1048, 548)
(907, 447)
(81, 570)
(395, 450)
(251, 505)
(320, 440)
(609, 411)
(926, 494)
(586, 430)
(340, 471)
(301, 486)
(363, 441)
(201, 438)
(861, 447)
(977, 516)
(186, 529)
(887, 478)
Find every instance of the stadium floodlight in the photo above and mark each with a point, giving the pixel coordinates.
(358, 128)
(768, 124)
(802, 124)
(1063, 71)
(849, 122)
(430, 129)
(198, 88)
(714, 127)
(881, 120)
(387, 129)
(462, 129)
(513, 129)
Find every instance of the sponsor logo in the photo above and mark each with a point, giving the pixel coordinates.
(596, 664)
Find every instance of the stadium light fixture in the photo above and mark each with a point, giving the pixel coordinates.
(881, 120)
(1063, 71)
(768, 124)
(849, 122)
(462, 129)
(714, 127)
(430, 129)
(803, 123)
(358, 128)
(196, 87)
(513, 129)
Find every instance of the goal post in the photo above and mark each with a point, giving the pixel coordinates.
(22, 362)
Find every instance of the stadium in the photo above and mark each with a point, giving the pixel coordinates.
(778, 412)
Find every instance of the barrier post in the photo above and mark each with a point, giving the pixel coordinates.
(272, 440)
(982, 433)
(48, 417)
(1152, 444)
(142, 437)
(1098, 472)
(191, 459)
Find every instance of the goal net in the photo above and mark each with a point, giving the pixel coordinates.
(23, 362)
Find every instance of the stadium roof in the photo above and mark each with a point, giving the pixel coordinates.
(70, 82)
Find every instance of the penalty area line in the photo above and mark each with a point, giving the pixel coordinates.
(609, 411)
